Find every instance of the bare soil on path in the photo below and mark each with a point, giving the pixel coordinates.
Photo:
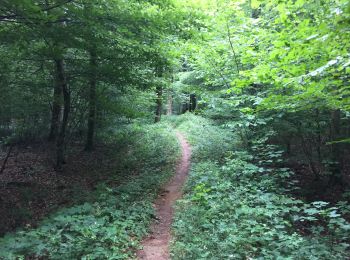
(156, 245)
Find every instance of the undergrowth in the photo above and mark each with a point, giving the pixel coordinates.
(209, 141)
(236, 207)
(112, 222)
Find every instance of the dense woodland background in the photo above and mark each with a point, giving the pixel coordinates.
(91, 92)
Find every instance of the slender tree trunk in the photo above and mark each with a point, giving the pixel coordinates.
(288, 146)
(232, 48)
(62, 81)
(185, 107)
(170, 103)
(308, 154)
(6, 159)
(193, 102)
(159, 92)
(190, 104)
(56, 111)
(92, 102)
(337, 156)
(319, 137)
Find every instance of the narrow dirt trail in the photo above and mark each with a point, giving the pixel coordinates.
(156, 245)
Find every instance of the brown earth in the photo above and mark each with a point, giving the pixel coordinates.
(30, 189)
(156, 245)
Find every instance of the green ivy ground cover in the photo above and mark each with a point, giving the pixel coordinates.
(234, 209)
(112, 222)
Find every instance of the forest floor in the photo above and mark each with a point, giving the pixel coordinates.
(156, 245)
(30, 188)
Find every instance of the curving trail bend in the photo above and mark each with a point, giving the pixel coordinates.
(156, 245)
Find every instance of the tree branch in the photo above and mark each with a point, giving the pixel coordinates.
(13, 17)
(231, 45)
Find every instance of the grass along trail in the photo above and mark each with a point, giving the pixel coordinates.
(156, 245)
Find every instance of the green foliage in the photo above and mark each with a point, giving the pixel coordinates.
(115, 218)
(238, 209)
(150, 141)
(274, 75)
(209, 140)
(278, 71)
(130, 41)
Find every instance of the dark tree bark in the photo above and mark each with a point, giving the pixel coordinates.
(62, 81)
(92, 102)
(6, 159)
(337, 156)
(56, 111)
(193, 102)
(170, 105)
(159, 92)
(232, 48)
(308, 152)
(288, 146)
(185, 107)
(319, 136)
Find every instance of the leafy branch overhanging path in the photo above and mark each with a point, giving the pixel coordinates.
(156, 245)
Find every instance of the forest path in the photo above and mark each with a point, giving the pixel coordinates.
(156, 245)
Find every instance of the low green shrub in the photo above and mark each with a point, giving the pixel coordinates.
(208, 140)
(236, 209)
(111, 224)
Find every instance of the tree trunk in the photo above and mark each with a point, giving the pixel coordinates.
(288, 146)
(159, 92)
(319, 137)
(184, 107)
(308, 152)
(56, 110)
(92, 102)
(193, 102)
(62, 81)
(6, 159)
(337, 156)
(170, 103)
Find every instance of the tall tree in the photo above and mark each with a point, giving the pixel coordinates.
(92, 100)
(62, 81)
(55, 110)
